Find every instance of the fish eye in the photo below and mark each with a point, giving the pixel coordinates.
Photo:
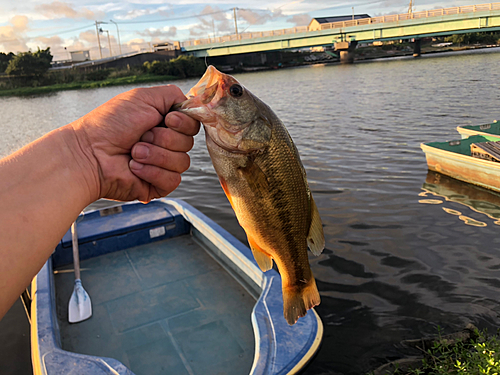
(236, 90)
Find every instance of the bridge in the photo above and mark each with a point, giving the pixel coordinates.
(345, 35)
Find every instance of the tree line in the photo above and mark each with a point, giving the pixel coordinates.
(32, 69)
(474, 38)
(27, 64)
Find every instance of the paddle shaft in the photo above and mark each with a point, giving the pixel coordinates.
(76, 256)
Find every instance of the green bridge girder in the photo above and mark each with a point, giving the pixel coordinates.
(405, 29)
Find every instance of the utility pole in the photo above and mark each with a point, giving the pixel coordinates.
(109, 44)
(118, 33)
(98, 39)
(353, 13)
(410, 8)
(235, 23)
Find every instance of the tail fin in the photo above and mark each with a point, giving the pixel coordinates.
(296, 301)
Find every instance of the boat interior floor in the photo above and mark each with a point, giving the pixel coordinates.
(164, 307)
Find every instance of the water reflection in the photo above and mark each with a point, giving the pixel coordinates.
(475, 198)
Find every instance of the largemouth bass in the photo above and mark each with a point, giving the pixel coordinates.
(260, 171)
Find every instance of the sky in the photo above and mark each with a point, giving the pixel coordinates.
(66, 26)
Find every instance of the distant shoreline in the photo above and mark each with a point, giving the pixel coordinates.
(150, 78)
(135, 79)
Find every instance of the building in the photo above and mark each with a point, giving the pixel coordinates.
(316, 23)
(167, 46)
(78, 56)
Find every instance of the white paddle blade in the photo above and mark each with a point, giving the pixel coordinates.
(80, 307)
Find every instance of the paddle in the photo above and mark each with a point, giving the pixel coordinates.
(80, 307)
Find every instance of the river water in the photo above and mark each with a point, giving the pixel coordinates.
(406, 251)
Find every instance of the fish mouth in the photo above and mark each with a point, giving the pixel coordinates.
(203, 92)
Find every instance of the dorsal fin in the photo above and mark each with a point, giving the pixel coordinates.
(315, 238)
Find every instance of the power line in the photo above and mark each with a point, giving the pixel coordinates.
(63, 32)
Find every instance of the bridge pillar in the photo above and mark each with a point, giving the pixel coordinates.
(346, 51)
(416, 48)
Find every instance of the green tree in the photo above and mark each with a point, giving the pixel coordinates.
(472, 38)
(30, 64)
(4, 60)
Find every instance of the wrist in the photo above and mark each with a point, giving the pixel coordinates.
(81, 160)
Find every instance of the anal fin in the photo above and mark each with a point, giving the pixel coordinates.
(315, 238)
(264, 261)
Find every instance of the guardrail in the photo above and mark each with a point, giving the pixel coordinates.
(414, 15)
(340, 25)
(244, 36)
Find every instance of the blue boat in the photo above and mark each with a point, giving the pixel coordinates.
(172, 292)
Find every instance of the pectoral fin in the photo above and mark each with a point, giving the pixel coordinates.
(255, 177)
(315, 238)
(264, 261)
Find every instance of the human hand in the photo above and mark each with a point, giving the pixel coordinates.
(130, 156)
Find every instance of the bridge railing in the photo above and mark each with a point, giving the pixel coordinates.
(344, 24)
(243, 36)
(414, 15)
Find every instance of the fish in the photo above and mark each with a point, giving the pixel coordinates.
(260, 171)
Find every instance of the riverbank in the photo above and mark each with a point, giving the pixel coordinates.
(128, 80)
(137, 77)
(367, 53)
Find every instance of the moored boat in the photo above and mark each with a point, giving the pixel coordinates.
(453, 158)
(492, 129)
(172, 292)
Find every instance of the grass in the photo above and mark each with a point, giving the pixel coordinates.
(134, 79)
(479, 355)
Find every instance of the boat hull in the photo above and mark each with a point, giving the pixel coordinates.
(134, 227)
(492, 130)
(454, 159)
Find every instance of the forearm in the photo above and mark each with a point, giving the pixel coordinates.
(43, 188)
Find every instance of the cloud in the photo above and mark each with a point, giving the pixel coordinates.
(300, 19)
(58, 9)
(54, 42)
(163, 11)
(20, 23)
(135, 13)
(214, 20)
(88, 36)
(257, 18)
(137, 45)
(159, 34)
(12, 38)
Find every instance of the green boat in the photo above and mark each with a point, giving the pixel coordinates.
(453, 158)
(492, 129)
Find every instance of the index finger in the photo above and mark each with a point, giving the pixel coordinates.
(162, 98)
(182, 123)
